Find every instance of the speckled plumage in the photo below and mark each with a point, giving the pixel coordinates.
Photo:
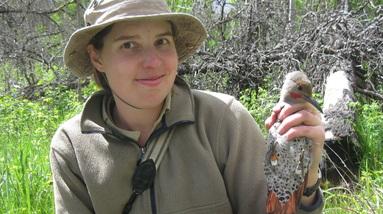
(287, 176)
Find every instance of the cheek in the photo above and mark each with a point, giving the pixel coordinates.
(172, 62)
(118, 64)
(173, 67)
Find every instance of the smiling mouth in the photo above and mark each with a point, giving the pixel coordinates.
(151, 81)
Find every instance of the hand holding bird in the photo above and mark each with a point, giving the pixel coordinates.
(295, 146)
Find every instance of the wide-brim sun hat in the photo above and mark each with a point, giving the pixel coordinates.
(189, 31)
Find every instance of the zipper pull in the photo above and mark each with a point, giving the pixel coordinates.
(143, 151)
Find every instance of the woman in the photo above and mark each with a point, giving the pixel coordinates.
(214, 159)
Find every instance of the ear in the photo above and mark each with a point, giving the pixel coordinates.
(95, 58)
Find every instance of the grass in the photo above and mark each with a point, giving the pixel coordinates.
(366, 198)
(27, 128)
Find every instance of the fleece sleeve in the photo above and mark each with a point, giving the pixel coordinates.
(70, 192)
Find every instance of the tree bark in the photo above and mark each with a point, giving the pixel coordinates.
(344, 5)
(342, 148)
(291, 16)
(338, 115)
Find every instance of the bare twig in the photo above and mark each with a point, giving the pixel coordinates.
(369, 93)
(48, 12)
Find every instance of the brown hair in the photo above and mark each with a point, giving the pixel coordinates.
(98, 42)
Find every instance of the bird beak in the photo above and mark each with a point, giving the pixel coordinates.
(313, 102)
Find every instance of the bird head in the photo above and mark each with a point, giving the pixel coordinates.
(297, 88)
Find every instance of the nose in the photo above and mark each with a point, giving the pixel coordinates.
(151, 58)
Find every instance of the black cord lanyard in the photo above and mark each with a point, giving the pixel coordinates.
(145, 172)
(142, 179)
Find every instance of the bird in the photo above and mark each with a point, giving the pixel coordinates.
(287, 162)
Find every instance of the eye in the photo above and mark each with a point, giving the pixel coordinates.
(162, 41)
(128, 45)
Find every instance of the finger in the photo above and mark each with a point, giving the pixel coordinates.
(302, 117)
(274, 115)
(290, 109)
(278, 107)
(315, 133)
(271, 120)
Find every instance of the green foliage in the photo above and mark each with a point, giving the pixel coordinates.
(369, 127)
(260, 104)
(46, 75)
(6, 71)
(27, 128)
(180, 5)
(299, 4)
(357, 4)
(366, 199)
(212, 43)
(72, 9)
(41, 28)
(56, 18)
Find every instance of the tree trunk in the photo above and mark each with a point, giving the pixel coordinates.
(344, 5)
(341, 148)
(291, 16)
(338, 114)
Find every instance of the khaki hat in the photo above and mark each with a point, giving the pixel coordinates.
(189, 35)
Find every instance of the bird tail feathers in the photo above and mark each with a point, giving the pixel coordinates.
(274, 206)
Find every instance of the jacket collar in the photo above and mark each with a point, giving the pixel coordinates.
(181, 110)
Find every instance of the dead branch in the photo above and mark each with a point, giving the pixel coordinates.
(48, 12)
(371, 94)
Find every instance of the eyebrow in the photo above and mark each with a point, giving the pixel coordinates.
(167, 33)
(128, 37)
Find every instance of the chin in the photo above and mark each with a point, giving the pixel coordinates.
(152, 102)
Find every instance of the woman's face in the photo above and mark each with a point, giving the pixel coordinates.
(140, 61)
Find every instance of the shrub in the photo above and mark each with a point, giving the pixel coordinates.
(260, 104)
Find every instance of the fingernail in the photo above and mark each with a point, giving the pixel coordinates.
(279, 130)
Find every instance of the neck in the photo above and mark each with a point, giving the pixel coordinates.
(130, 118)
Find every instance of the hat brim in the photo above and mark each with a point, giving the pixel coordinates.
(190, 33)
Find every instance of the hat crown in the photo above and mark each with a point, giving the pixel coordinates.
(100, 11)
